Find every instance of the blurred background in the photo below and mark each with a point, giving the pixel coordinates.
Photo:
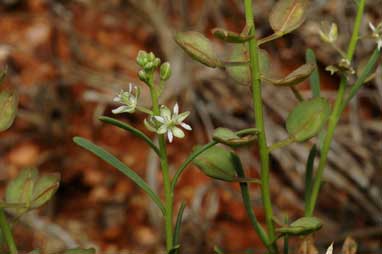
(67, 59)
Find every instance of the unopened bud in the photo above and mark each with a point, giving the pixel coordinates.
(165, 71)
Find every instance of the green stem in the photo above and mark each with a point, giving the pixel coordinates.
(258, 111)
(7, 233)
(282, 143)
(165, 173)
(248, 207)
(335, 115)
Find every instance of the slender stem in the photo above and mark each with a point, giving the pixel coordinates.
(248, 207)
(269, 38)
(336, 113)
(258, 111)
(165, 173)
(7, 233)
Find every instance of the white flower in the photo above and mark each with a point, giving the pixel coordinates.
(377, 33)
(169, 122)
(330, 249)
(128, 99)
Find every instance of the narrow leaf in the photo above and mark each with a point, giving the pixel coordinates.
(131, 129)
(287, 15)
(178, 224)
(314, 77)
(79, 251)
(309, 175)
(113, 161)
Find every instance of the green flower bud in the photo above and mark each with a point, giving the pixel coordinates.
(156, 62)
(151, 56)
(142, 58)
(149, 66)
(302, 226)
(165, 71)
(142, 75)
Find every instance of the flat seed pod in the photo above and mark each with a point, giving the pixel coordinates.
(8, 109)
(229, 138)
(307, 119)
(198, 47)
(287, 15)
(301, 226)
(229, 36)
(296, 77)
(218, 163)
(44, 189)
(241, 73)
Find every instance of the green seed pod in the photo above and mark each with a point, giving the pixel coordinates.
(295, 77)
(142, 58)
(199, 48)
(301, 226)
(218, 163)
(44, 189)
(230, 37)
(307, 119)
(8, 109)
(165, 71)
(229, 138)
(142, 75)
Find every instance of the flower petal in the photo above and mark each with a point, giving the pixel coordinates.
(159, 119)
(372, 27)
(170, 136)
(121, 109)
(162, 129)
(186, 126)
(165, 113)
(176, 109)
(330, 249)
(177, 132)
(181, 117)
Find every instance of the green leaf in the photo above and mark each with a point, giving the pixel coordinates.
(218, 163)
(293, 78)
(79, 251)
(229, 36)
(230, 138)
(287, 15)
(113, 161)
(301, 226)
(307, 119)
(178, 225)
(131, 129)
(315, 77)
(199, 48)
(242, 73)
(309, 175)
(8, 109)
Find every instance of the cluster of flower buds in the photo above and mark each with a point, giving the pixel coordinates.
(377, 33)
(149, 62)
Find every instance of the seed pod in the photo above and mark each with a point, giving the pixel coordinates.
(296, 77)
(301, 226)
(44, 188)
(8, 109)
(287, 15)
(199, 48)
(229, 138)
(229, 36)
(218, 163)
(307, 119)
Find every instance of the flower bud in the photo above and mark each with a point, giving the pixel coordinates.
(165, 71)
(148, 66)
(142, 76)
(329, 32)
(151, 56)
(142, 58)
(156, 62)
